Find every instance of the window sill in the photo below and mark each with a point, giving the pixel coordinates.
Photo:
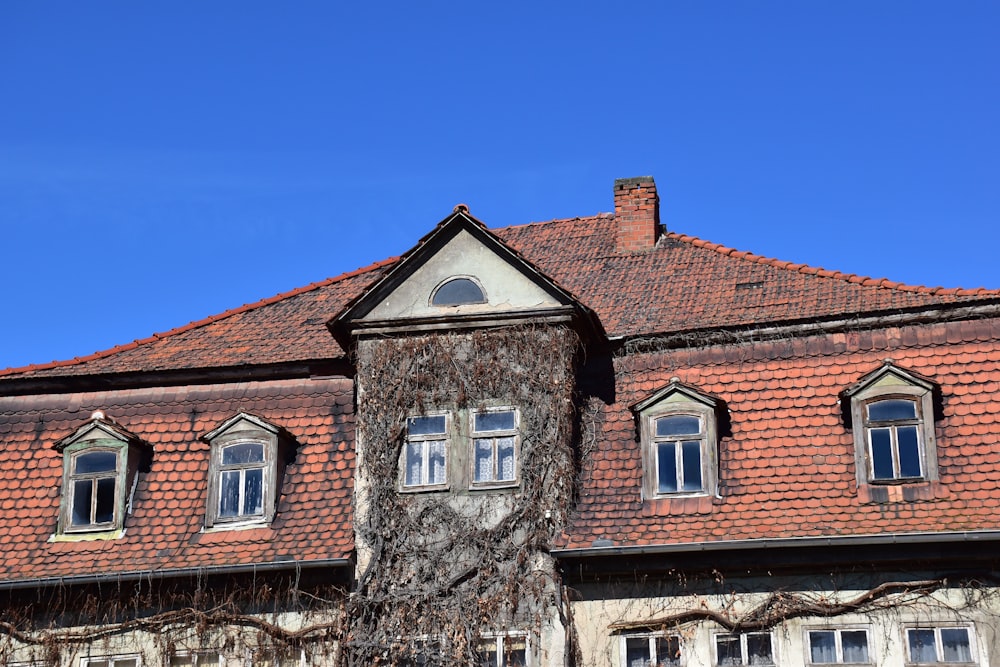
(437, 488)
(493, 486)
(85, 536)
(236, 525)
(900, 492)
(668, 505)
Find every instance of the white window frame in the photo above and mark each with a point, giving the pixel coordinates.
(938, 645)
(743, 646)
(651, 637)
(425, 440)
(71, 478)
(111, 660)
(839, 647)
(196, 656)
(494, 436)
(500, 639)
(678, 441)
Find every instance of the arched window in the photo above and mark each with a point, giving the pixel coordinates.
(458, 292)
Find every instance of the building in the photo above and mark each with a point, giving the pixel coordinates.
(580, 442)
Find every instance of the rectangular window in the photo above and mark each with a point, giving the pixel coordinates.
(678, 441)
(748, 648)
(241, 481)
(494, 446)
(94, 482)
(503, 651)
(110, 662)
(937, 645)
(827, 647)
(425, 454)
(893, 426)
(655, 650)
(195, 660)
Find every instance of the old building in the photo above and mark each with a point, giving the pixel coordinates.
(580, 442)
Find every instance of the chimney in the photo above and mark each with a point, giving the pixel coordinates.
(637, 212)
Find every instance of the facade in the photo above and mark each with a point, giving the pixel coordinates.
(581, 442)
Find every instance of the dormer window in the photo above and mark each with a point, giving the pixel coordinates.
(892, 415)
(458, 291)
(100, 463)
(246, 465)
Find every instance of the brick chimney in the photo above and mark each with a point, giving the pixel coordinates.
(637, 212)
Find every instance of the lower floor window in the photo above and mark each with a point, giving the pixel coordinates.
(195, 660)
(931, 645)
(748, 648)
(652, 650)
(110, 662)
(838, 646)
(503, 651)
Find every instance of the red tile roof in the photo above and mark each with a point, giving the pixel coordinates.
(164, 530)
(683, 284)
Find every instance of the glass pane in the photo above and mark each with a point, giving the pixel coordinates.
(921, 645)
(127, 662)
(909, 451)
(414, 463)
(666, 468)
(96, 462)
(104, 509)
(82, 490)
(495, 421)
(759, 649)
(678, 425)
(487, 655)
(668, 651)
(505, 456)
(881, 453)
(229, 493)
(727, 648)
(253, 487)
(436, 462)
(822, 646)
(637, 652)
(892, 409)
(245, 452)
(855, 645)
(457, 292)
(426, 425)
(955, 645)
(182, 661)
(484, 459)
(515, 652)
(691, 456)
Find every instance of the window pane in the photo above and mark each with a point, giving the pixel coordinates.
(668, 651)
(104, 510)
(494, 421)
(484, 459)
(881, 453)
(82, 490)
(487, 655)
(182, 661)
(229, 493)
(678, 425)
(505, 459)
(414, 463)
(909, 451)
(691, 454)
(637, 652)
(253, 486)
(245, 452)
(759, 649)
(822, 646)
(892, 409)
(666, 465)
(426, 425)
(921, 645)
(855, 645)
(457, 292)
(515, 652)
(728, 649)
(95, 462)
(955, 645)
(436, 462)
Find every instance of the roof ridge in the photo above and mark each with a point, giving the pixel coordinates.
(535, 223)
(211, 319)
(807, 269)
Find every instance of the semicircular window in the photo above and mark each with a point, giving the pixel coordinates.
(458, 292)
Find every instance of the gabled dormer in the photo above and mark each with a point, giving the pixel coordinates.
(460, 276)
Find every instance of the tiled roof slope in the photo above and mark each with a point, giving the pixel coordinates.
(788, 469)
(683, 284)
(164, 529)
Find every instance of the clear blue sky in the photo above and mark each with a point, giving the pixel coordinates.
(162, 162)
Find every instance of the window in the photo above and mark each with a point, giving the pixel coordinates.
(849, 646)
(247, 459)
(651, 650)
(494, 447)
(892, 416)
(510, 650)
(132, 661)
(937, 645)
(100, 463)
(748, 648)
(678, 428)
(195, 660)
(425, 454)
(458, 292)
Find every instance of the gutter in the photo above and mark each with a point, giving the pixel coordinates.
(138, 575)
(783, 543)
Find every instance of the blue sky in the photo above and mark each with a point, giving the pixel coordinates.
(162, 162)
